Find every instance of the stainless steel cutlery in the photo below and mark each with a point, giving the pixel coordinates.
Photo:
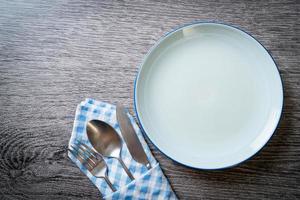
(92, 161)
(130, 137)
(106, 142)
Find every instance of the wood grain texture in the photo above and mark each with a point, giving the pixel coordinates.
(53, 54)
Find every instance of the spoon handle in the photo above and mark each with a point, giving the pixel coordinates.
(112, 187)
(126, 169)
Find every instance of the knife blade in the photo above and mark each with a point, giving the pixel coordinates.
(130, 137)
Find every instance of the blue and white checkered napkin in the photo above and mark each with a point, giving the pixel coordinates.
(148, 184)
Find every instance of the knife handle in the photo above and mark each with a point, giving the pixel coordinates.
(148, 165)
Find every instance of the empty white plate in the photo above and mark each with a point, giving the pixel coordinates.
(208, 95)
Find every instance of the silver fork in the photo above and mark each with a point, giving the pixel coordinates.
(92, 161)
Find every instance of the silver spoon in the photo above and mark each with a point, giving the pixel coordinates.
(106, 141)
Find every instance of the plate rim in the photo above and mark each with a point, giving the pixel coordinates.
(157, 43)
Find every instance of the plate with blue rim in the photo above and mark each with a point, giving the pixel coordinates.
(208, 95)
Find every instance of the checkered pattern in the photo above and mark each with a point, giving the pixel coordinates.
(148, 184)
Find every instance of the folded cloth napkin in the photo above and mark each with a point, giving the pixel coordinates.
(148, 184)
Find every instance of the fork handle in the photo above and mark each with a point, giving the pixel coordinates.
(112, 187)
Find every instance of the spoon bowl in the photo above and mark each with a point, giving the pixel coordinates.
(104, 138)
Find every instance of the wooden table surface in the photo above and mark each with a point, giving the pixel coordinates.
(54, 54)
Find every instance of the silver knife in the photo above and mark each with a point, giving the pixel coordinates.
(131, 139)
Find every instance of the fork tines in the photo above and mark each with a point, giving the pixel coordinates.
(85, 155)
